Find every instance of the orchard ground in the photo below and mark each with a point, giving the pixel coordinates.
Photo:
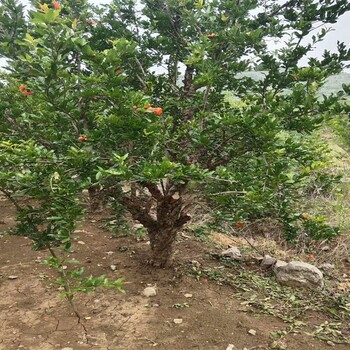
(225, 303)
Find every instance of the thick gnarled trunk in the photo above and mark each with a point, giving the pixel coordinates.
(162, 246)
(162, 219)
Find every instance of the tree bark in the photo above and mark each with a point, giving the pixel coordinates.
(95, 197)
(162, 227)
(162, 246)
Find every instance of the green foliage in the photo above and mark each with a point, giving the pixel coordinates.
(138, 95)
(75, 280)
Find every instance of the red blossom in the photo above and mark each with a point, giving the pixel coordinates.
(27, 92)
(56, 5)
(311, 257)
(155, 110)
(239, 224)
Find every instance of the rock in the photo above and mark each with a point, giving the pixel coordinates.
(252, 332)
(67, 349)
(279, 264)
(113, 267)
(188, 295)
(268, 261)
(330, 343)
(178, 320)
(149, 292)
(81, 242)
(232, 253)
(12, 277)
(230, 347)
(298, 274)
(327, 267)
(325, 248)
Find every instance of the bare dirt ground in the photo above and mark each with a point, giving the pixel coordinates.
(34, 317)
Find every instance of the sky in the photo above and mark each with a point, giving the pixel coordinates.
(340, 32)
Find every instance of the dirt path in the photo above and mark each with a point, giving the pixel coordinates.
(34, 317)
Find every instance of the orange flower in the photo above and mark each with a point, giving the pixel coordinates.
(311, 257)
(158, 111)
(239, 224)
(56, 5)
(82, 138)
(27, 92)
(155, 110)
(22, 88)
(212, 36)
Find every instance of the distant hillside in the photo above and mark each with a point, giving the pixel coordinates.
(333, 84)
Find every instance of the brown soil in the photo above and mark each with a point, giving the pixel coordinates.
(34, 317)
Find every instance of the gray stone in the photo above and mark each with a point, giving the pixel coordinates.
(233, 253)
(149, 292)
(279, 264)
(327, 267)
(298, 274)
(178, 320)
(230, 347)
(268, 261)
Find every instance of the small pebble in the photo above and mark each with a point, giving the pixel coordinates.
(12, 277)
(149, 292)
(188, 295)
(178, 320)
(113, 267)
(252, 331)
(81, 242)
